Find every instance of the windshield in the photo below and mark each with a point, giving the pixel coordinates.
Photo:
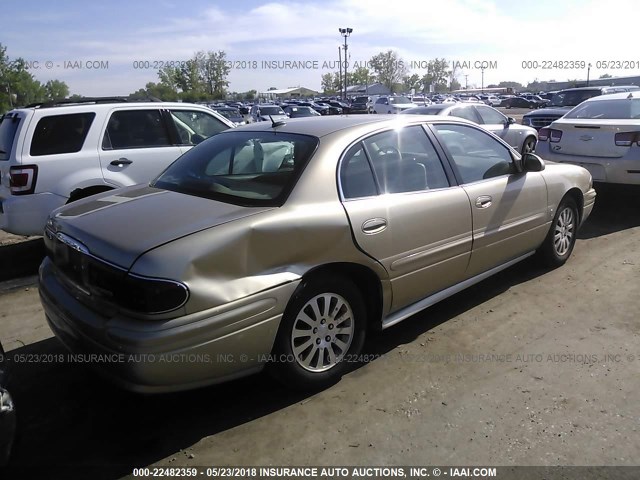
(270, 110)
(623, 109)
(431, 110)
(8, 127)
(572, 98)
(243, 168)
(398, 100)
(229, 113)
(361, 100)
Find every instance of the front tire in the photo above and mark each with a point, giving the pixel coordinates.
(561, 239)
(322, 332)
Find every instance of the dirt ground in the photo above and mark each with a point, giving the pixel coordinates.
(530, 367)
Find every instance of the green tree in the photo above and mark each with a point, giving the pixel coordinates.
(360, 76)
(329, 83)
(56, 90)
(389, 68)
(213, 70)
(437, 75)
(606, 75)
(411, 81)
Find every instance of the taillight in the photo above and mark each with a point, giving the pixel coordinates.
(550, 134)
(555, 135)
(626, 139)
(543, 134)
(22, 180)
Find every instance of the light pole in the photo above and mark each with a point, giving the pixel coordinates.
(340, 69)
(588, 71)
(466, 82)
(345, 32)
(482, 70)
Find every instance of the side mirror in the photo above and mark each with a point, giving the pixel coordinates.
(386, 103)
(511, 120)
(532, 163)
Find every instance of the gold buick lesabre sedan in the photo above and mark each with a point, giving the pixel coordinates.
(280, 244)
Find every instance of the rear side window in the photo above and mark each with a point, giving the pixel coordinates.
(8, 127)
(58, 134)
(194, 127)
(136, 129)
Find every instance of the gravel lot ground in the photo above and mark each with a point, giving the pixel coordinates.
(531, 367)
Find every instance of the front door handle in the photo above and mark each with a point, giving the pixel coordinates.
(483, 201)
(374, 225)
(121, 162)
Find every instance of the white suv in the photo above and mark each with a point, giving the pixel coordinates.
(55, 153)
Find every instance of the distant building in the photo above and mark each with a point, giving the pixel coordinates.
(292, 92)
(593, 82)
(372, 89)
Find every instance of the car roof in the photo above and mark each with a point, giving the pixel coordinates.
(325, 125)
(615, 96)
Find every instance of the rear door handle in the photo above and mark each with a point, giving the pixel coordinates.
(483, 201)
(374, 225)
(121, 162)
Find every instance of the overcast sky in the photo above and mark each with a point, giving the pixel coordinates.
(502, 32)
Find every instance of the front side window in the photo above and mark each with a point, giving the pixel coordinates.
(243, 168)
(464, 112)
(194, 126)
(404, 160)
(476, 155)
(135, 129)
(58, 134)
(490, 116)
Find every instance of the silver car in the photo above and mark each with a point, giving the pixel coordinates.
(602, 134)
(520, 137)
(279, 245)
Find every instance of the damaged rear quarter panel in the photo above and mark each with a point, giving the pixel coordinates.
(240, 258)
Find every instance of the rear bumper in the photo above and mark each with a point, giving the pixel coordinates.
(208, 347)
(606, 170)
(27, 214)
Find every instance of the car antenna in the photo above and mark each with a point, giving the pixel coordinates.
(275, 124)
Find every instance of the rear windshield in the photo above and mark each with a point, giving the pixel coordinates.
(8, 127)
(57, 134)
(572, 98)
(243, 168)
(624, 109)
(398, 100)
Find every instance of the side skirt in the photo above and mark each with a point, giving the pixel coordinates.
(420, 305)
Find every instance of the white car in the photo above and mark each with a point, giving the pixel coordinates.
(602, 134)
(392, 104)
(523, 139)
(55, 153)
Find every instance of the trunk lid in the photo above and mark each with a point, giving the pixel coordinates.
(592, 138)
(121, 225)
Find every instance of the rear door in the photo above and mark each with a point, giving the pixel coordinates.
(510, 215)
(136, 146)
(405, 213)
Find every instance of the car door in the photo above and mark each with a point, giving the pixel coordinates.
(510, 213)
(404, 213)
(498, 124)
(136, 146)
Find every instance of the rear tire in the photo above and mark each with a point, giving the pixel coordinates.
(558, 245)
(86, 192)
(529, 145)
(321, 334)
